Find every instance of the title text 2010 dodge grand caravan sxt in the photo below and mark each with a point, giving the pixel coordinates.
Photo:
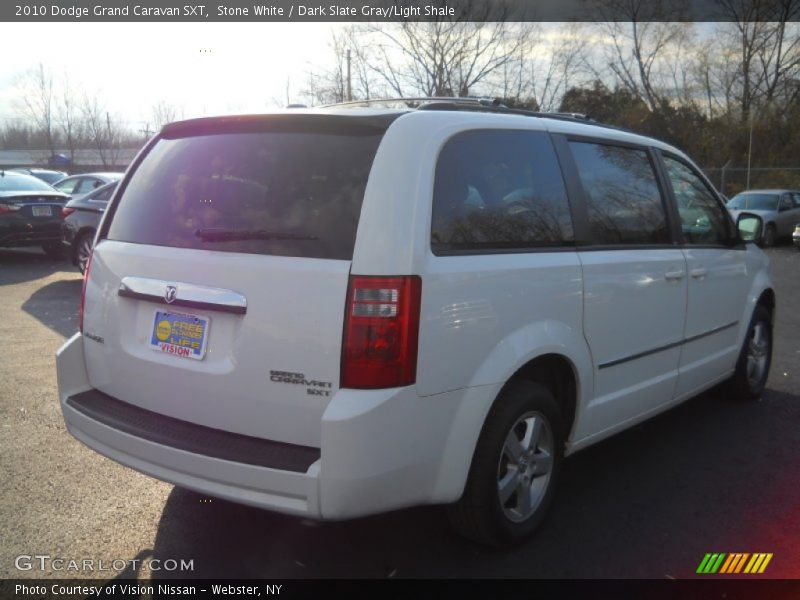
(344, 311)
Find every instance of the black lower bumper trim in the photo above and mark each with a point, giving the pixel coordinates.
(190, 437)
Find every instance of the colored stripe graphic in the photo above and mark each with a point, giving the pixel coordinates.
(741, 562)
(711, 563)
(758, 563)
(765, 563)
(726, 566)
(717, 562)
(734, 563)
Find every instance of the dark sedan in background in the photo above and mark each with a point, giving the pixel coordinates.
(81, 219)
(30, 213)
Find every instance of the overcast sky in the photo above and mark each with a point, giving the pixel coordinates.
(207, 68)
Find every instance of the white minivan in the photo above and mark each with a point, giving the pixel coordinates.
(338, 312)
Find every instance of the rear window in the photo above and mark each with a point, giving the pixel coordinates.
(285, 193)
(11, 182)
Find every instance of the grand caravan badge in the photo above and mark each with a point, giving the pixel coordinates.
(313, 387)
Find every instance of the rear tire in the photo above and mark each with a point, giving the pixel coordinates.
(515, 468)
(83, 249)
(752, 368)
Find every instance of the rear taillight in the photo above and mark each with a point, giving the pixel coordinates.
(8, 208)
(65, 212)
(83, 292)
(381, 328)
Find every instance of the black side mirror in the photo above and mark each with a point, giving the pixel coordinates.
(751, 228)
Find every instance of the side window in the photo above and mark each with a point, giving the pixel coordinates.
(66, 186)
(736, 203)
(786, 202)
(796, 199)
(86, 185)
(499, 190)
(624, 203)
(703, 218)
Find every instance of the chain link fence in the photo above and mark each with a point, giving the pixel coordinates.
(732, 180)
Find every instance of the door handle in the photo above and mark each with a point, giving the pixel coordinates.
(673, 275)
(698, 273)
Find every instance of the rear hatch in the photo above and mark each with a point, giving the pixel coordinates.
(217, 289)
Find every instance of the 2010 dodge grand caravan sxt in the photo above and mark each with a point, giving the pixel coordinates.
(344, 311)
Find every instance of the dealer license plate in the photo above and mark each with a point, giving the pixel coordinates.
(179, 334)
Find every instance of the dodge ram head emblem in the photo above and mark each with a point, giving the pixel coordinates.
(170, 294)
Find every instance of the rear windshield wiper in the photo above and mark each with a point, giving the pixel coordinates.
(218, 234)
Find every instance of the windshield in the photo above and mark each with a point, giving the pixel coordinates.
(14, 182)
(289, 193)
(755, 202)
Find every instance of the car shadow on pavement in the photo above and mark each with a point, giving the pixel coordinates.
(646, 503)
(18, 265)
(56, 305)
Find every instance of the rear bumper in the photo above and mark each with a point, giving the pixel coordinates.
(24, 233)
(381, 449)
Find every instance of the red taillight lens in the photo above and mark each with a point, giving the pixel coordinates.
(8, 208)
(65, 212)
(83, 292)
(381, 329)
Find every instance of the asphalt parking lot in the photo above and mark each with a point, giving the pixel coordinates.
(709, 476)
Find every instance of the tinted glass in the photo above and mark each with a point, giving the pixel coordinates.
(281, 193)
(14, 182)
(499, 190)
(796, 200)
(786, 202)
(737, 202)
(48, 177)
(624, 202)
(703, 219)
(761, 201)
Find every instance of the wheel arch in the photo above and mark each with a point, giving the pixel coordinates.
(565, 368)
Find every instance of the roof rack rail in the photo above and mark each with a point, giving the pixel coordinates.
(417, 100)
(478, 104)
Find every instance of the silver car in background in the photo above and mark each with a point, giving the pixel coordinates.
(780, 210)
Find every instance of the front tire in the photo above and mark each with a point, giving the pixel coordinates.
(515, 468)
(769, 236)
(752, 368)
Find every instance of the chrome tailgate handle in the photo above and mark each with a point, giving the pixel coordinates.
(176, 293)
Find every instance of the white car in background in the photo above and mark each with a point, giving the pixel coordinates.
(779, 209)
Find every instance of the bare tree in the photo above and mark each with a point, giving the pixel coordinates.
(758, 55)
(103, 133)
(554, 66)
(163, 112)
(645, 50)
(69, 119)
(446, 57)
(36, 91)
